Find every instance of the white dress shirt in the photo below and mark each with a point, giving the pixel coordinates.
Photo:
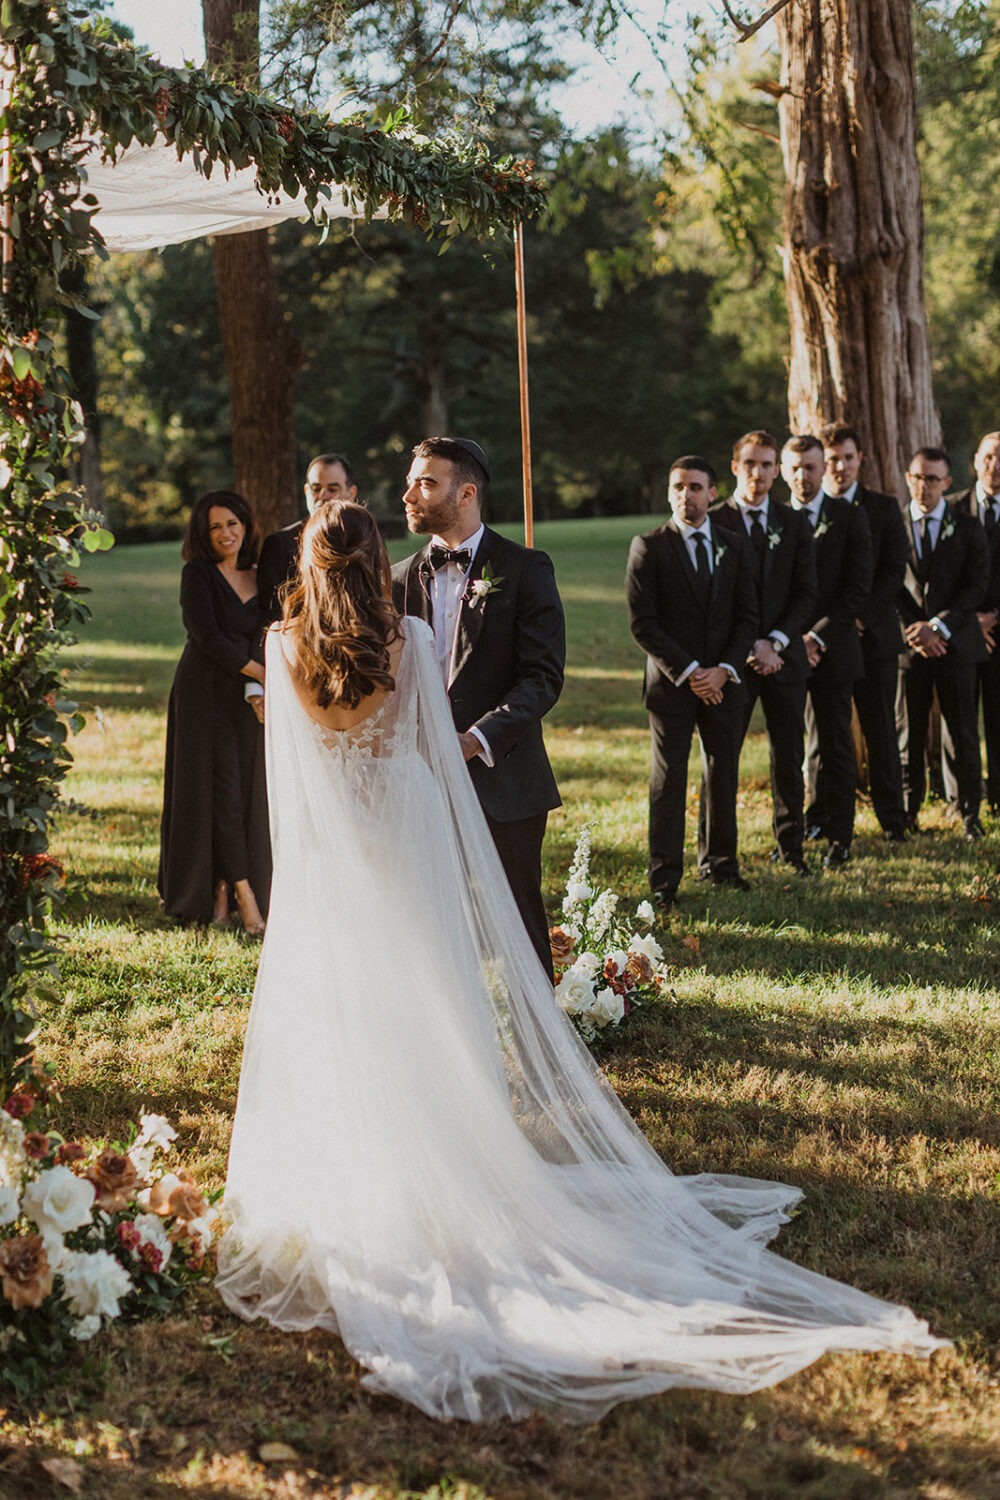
(447, 587)
(987, 503)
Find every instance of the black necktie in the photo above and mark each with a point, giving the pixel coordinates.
(758, 541)
(990, 517)
(701, 566)
(926, 548)
(440, 557)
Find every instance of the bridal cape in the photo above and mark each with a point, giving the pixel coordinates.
(427, 1160)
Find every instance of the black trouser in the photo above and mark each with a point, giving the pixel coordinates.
(988, 693)
(784, 710)
(875, 701)
(671, 729)
(955, 683)
(828, 720)
(519, 845)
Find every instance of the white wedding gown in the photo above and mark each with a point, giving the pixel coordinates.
(425, 1157)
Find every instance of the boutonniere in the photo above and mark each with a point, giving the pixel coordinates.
(947, 527)
(720, 553)
(822, 527)
(479, 590)
(773, 538)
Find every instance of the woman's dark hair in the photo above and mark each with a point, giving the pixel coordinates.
(197, 543)
(342, 606)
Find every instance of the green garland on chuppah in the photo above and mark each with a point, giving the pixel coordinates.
(66, 83)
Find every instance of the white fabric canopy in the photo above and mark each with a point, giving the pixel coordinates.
(149, 198)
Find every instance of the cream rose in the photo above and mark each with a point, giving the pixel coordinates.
(608, 1008)
(156, 1130)
(94, 1283)
(574, 993)
(59, 1201)
(647, 946)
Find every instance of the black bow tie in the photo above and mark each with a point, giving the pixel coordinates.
(440, 557)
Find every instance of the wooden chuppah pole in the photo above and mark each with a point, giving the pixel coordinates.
(522, 379)
(6, 93)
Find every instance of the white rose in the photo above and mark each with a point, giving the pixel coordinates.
(87, 1327)
(156, 1130)
(574, 993)
(94, 1284)
(152, 1232)
(55, 1248)
(618, 958)
(59, 1201)
(586, 963)
(608, 1008)
(644, 912)
(647, 946)
(10, 1206)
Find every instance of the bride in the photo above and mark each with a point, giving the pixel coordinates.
(425, 1158)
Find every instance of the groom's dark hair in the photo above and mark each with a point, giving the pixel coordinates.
(468, 469)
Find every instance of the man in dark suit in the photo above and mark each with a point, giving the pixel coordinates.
(328, 477)
(781, 550)
(831, 639)
(693, 611)
(982, 502)
(947, 575)
(501, 644)
(881, 637)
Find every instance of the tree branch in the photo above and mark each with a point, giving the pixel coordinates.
(747, 31)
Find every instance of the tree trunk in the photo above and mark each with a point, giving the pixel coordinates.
(262, 354)
(853, 235)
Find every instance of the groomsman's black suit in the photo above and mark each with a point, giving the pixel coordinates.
(506, 673)
(988, 671)
(785, 580)
(875, 692)
(278, 561)
(844, 577)
(955, 584)
(677, 621)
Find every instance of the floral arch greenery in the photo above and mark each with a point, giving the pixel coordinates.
(66, 83)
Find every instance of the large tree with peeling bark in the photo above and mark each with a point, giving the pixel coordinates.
(853, 228)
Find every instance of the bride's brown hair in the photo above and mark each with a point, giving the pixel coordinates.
(342, 607)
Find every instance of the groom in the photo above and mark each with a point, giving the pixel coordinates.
(501, 645)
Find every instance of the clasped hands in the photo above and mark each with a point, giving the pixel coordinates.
(987, 624)
(764, 659)
(707, 683)
(924, 639)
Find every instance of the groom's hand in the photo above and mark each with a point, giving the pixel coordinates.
(470, 746)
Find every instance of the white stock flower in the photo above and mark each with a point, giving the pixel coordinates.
(12, 1158)
(586, 963)
(608, 1008)
(577, 891)
(647, 946)
(574, 993)
(142, 1156)
(602, 912)
(644, 912)
(10, 1206)
(86, 1327)
(152, 1232)
(59, 1201)
(156, 1130)
(94, 1284)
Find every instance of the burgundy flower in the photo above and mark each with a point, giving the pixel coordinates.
(20, 1104)
(127, 1235)
(69, 1152)
(36, 1144)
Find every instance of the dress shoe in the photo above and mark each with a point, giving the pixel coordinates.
(973, 829)
(836, 855)
(896, 835)
(814, 832)
(798, 864)
(731, 879)
(665, 899)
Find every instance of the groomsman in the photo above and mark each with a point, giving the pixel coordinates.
(784, 569)
(501, 645)
(328, 477)
(881, 637)
(947, 575)
(692, 610)
(983, 502)
(831, 640)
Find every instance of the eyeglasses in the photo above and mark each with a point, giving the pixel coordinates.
(927, 478)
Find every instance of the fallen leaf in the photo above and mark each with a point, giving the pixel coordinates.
(692, 941)
(277, 1453)
(65, 1471)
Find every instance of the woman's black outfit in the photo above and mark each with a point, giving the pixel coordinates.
(214, 824)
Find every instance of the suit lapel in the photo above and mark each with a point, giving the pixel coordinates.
(687, 566)
(416, 590)
(773, 528)
(472, 611)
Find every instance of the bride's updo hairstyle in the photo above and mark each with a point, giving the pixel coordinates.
(342, 609)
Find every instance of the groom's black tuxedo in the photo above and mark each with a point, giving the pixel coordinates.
(506, 672)
(279, 557)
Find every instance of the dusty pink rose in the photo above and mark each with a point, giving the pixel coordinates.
(562, 945)
(25, 1274)
(115, 1178)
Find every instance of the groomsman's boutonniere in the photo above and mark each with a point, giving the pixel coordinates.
(479, 589)
(720, 553)
(822, 527)
(773, 538)
(947, 526)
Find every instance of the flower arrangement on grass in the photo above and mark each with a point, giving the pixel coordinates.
(604, 967)
(88, 1234)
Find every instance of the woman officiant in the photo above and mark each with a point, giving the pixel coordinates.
(214, 841)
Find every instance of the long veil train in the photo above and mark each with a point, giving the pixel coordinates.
(426, 1158)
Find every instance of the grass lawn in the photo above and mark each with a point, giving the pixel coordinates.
(841, 1033)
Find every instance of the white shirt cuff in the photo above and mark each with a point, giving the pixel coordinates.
(779, 635)
(940, 627)
(818, 639)
(253, 689)
(686, 674)
(734, 676)
(485, 754)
